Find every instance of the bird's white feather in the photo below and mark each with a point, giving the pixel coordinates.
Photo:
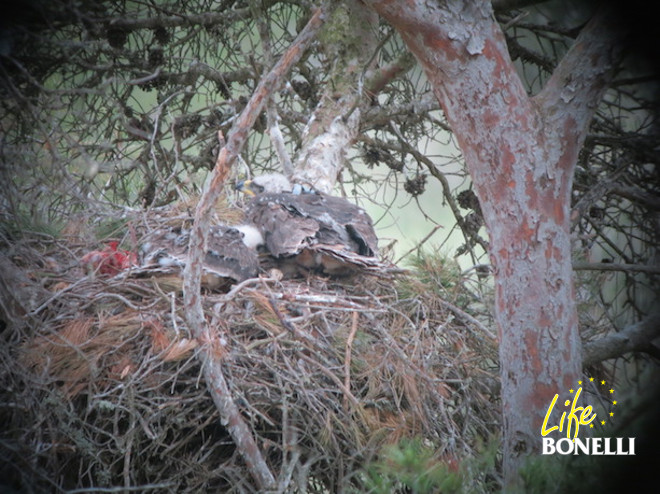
(252, 237)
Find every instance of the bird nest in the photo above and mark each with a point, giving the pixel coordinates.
(103, 385)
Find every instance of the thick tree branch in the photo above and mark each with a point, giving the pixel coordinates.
(381, 77)
(578, 83)
(197, 69)
(637, 337)
(521, 153)
(411, 112)
(349, 42)
(637, 195)
(211, 350)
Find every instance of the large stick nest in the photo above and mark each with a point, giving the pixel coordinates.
(102, 386)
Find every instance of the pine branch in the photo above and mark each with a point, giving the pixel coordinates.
(211, 351)
(636, 337)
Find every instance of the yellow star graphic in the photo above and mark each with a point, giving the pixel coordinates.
(580, 383)
(591, 425)
(591, 379)
(614, 402)
(611, 391)
(602, 422)
(603, 383)
(570, 391)
(611, 414)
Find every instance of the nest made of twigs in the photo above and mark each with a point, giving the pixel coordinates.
(106, 387)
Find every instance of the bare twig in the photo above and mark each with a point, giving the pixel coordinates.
(464, 315)
(347, 357)
(137, 488)
(217, 385)
(277, 139)
(347, 392)
(18, 295)
(419, 244)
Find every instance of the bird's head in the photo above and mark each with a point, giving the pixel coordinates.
(270, 183)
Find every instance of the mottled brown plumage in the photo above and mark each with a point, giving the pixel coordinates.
(231, 255)
(305, 232)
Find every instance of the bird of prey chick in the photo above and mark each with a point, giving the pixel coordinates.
(231, 255)
(305, 231)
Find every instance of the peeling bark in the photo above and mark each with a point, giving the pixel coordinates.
(334, 125)
(521, 153)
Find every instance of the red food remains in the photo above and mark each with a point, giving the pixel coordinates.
(109, 261)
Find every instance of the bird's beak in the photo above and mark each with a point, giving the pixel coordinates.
(245, 186)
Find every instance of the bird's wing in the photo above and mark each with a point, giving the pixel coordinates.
(227, 261)
(295, 221)
(285, 233)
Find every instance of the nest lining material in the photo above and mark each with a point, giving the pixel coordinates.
(107, 390)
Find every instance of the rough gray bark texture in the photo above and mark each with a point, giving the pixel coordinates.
(521, 152)
(335, 122)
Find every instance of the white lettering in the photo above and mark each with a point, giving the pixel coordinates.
(588, 446)
(548, 446)
(582, 446)
(564, 440)
(619, 446)
(608, 451)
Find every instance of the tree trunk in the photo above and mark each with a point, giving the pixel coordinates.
(521, 153)
(349, 43)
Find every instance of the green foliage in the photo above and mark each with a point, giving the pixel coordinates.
(436, 274)
(413, 466)
(540, 473)
(15, 225)
(436, 269)
(481, 469)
